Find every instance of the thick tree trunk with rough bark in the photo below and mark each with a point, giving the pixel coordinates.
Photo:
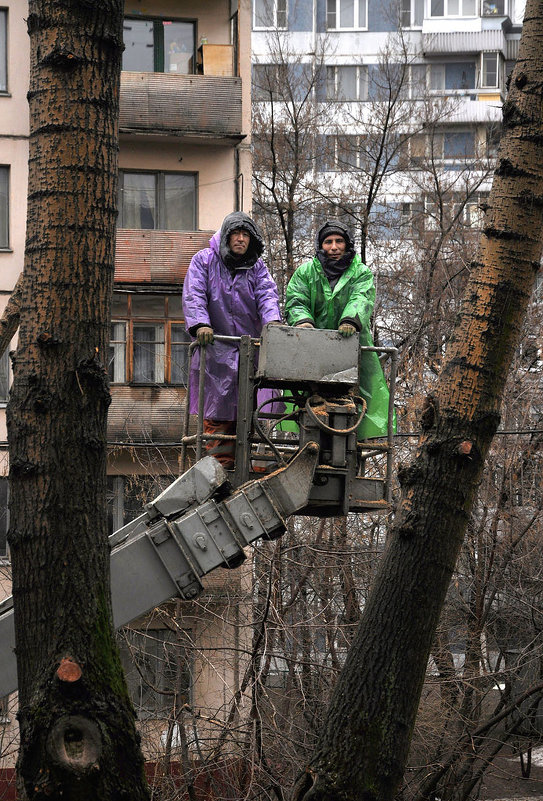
(78, 738)
(364, 744)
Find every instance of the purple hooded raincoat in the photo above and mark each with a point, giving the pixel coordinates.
(233, 302)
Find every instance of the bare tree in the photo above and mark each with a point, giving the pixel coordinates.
(77, 725)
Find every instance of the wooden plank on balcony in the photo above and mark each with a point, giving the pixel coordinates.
(162, 257)
(181, 104)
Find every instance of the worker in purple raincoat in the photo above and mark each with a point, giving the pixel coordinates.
(228, 290)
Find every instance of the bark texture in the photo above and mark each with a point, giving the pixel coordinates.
(78, 738)
(365, 740)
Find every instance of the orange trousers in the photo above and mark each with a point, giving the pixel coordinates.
(223, 450)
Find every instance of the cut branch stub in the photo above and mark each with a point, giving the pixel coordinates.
(68, 670)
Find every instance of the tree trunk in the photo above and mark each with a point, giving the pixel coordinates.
(78, 738)
(365, 739)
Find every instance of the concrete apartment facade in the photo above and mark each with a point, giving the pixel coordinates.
(184, 163)
(453, 57)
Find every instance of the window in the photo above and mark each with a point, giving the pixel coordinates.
(4, 207)
(493, 8)
(159, 45)
(157, 668)
(490, 70)
(347, 83)
(3, 50)
(452, 76)
(270, 14)
(346, 14)
(127, 495)
(162, 200)
(4, 515)
(412, 13)
(148, 341)
(457, 144)
(411, 219)
(345, 152)
(453, 8)
(4, 377)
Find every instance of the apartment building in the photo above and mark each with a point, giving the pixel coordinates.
(184, 163)
(403, 93)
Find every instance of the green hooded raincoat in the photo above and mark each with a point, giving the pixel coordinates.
(309, 297)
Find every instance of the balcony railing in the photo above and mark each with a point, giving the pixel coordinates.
(160, 257)
(165, 103)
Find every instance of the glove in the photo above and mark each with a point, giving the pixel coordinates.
(346, 330)
(305, 325)
(204, 335)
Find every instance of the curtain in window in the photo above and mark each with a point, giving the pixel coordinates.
(149, 354)
(179, 202)
(117, 353)
(179, 355)
(138, 200)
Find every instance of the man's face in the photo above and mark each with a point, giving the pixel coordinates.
(238, 242)
(334, 246)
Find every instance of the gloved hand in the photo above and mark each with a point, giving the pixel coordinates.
(204, 335)
(305, 325)
(346, 330)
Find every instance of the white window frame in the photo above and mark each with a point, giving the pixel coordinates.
(334, 16)
(361, 82)
(410, 10)
(484, 72)
(449, 9)
(279, 13)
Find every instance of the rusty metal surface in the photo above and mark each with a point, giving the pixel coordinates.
(170, 103)
(163, 257)
(146, 414)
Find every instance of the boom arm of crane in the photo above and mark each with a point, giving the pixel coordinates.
(196, 525)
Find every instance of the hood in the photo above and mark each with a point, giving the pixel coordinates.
(219, 242)
(334, 227)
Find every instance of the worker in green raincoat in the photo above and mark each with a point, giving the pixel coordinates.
(335, 290)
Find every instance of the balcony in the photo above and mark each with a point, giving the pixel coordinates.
(156, 257)
(466, 42)
(152, 414)
(188, 106)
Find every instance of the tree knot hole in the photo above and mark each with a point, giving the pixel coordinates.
(75, 743)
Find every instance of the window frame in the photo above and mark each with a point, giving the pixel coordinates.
(336, 15)
(483, 83)
(163, 357)
(362, 82)
(487, 7)
(5, 376)
(280, 16)
(152, 700)
(448, 15)
(4, 89)
(158, 45)
(4, 517)
(160, 194)
(5, 169)
(409, 11)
